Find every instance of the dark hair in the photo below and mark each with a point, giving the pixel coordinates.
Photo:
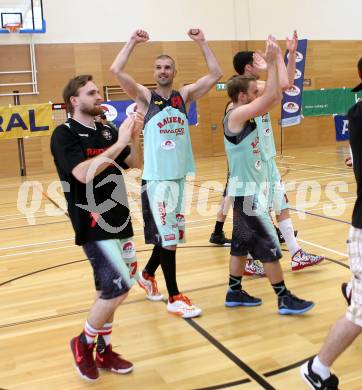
(359, 66)
(238, 84)
(242, 59)
(71, 89)
(166, 57)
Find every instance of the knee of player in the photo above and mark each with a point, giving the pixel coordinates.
(115, 296)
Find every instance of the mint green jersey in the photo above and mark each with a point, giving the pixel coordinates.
(248, 175)
(167, 144)
(266, 138)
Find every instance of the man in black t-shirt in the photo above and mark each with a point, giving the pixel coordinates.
(88, 157)
(316, 372)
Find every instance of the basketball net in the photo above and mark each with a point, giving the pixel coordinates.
(13, 27)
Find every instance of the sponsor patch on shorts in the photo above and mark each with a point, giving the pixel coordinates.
(128, 250)
(162, 212)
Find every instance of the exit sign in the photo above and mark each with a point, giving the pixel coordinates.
(221, 87)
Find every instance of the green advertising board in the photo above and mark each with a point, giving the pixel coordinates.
(328, 101)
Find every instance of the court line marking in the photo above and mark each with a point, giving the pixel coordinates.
(72, 238)
(316, 166)
(325, 174)
(4, 248)
(36, 225)
(258, 378)
(37, 251)
(74, 245)
(224, 385)
(209, 198)
(320, 216)
(323, 247)
(230, 355)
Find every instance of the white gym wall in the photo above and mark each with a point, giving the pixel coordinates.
(81, 21)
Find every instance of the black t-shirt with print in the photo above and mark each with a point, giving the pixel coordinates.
(355, 139)
(98, 210)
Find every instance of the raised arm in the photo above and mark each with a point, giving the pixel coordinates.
(140, 94)
(286, 73)
(135, 158)
(292, 45)
(261, 104)
(204, 84)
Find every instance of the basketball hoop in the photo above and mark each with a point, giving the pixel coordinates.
(13, 27)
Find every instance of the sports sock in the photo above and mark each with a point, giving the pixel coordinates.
(280, 288)
(235, 283)
(104, 337)
(90, 333)
(106, 332)
(286, 227)
(154, 261)
(168, 264)
(218, 227)
(319, 368)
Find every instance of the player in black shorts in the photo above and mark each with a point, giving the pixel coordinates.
(88, 157)
(253, 230)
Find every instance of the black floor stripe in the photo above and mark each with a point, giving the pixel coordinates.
(247, 369)
(286, 368)
(337, 262)
(40, 270)
(79, 261)
(224, 385)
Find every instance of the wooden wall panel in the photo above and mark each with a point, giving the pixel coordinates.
(330, 64)
(9, 158)
(87, 60)
(14, 58)
(34, 154)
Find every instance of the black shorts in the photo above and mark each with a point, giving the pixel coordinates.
(114, 266)
(253, 231)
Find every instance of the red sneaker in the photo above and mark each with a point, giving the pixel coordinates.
(302, 259)
(84, 361)
(149, 284)
(254, 267)
(109, 360)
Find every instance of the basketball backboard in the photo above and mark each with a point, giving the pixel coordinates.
(27, 13)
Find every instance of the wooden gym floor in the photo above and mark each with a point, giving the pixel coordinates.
(46, 289)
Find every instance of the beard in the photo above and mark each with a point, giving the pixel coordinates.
(92, 111)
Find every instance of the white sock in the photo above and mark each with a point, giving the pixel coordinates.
(106, 332)
(286, 227)
(90, 333)
(349, 289)
(319, 368)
